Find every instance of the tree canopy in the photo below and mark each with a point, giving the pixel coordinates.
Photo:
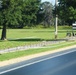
(67, 11)
(46, 14)
(17, 13)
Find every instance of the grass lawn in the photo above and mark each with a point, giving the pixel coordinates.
(8, 56)
(21, 37)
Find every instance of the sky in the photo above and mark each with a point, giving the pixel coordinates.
(51, 1)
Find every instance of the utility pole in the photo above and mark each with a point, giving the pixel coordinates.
(56, 20)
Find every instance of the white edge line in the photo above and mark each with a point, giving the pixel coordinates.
(36, 62)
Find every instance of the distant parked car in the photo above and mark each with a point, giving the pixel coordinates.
(74, 25)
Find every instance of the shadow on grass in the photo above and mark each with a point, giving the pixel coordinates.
(27, 39)
(32, 39)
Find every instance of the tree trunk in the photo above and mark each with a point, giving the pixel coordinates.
(3, 37)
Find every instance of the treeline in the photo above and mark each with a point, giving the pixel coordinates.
(66, 11)
(25, 13)
(29, 13)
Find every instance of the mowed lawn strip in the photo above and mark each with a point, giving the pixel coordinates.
(22, 37)
(8, 56)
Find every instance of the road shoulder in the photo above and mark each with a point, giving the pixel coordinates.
(20, 59)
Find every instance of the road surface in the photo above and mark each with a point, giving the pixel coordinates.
(61, 63)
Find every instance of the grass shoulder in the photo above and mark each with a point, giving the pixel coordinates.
(12, 55)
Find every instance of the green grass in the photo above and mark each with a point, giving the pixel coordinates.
(21, 37)
(25, 37)
(8, 56)
(11, 44)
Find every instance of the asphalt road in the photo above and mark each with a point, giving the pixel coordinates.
(62, 63)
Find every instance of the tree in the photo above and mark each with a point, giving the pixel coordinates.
(67, 11)
(18, 13)
(47, 13)
(10, 14)
(0, 3)
(30, 12)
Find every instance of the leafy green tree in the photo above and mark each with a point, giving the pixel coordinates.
(10, 14)
(67, 11)
(30, 12)
(18, 13)
(0, 3)
(47, 13)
